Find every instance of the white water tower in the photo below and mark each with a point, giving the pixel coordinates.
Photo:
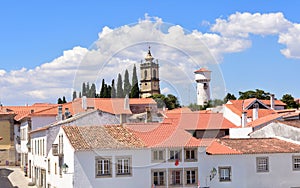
(202, 77)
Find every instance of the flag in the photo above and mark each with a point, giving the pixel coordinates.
(176, 162)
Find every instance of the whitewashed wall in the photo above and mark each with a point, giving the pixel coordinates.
(85, 169)
(244, 173)
(232, 117)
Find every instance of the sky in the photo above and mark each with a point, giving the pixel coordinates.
(47, 49)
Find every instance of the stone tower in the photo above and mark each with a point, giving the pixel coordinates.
(149, 76)
(202, 77)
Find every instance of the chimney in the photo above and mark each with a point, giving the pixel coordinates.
(84, 104)
(272, 101)
(255, 112)
(126, 103)
(244, 119)
(67, 113)
(59, 115)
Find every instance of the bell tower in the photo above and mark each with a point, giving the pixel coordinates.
(149, 76)
(202, 77)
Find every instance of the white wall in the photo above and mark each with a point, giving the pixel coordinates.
(232, 117)
(85, 169)
(244, 173)
(240, 132)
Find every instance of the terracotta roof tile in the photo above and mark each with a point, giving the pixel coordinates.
(264, 120)
(202, 70)
(292, 123)
(101, 137)
(251, 146)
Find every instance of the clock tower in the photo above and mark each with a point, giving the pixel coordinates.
(149, 76)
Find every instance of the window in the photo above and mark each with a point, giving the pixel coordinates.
(176, 177)
(123, 165)
(49, 166)
(190, 154)
(158, 177)
(158, 155)
(103, 167)
(145, 74)
(191, 176)
(174, 154)
(225, 173)
(55, 168)
(60, 145)
(262, 164)
(154, 74)
(296, 162)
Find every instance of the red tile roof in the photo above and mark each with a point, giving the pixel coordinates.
(292, 123)
(24, 111)
(202, 70)
(101, 137)
(251, 146)
(199, 121)
(238, 106)
(277, 102)
(264, 120)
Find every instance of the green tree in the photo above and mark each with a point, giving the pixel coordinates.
(102, 89)
(135, 90)
(289, 100)
(83, 89)
(74, 95)
(87, 90)
(169, 102)
(64, 99)
(228, 97)
(113, 89)
(127, 86)
(120, 93)
(59, 101)
(92, 91)
(258, 93)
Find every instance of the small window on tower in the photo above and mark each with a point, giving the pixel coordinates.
(154, 74)
(145, 74)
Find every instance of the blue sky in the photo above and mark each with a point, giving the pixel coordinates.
(34, 33)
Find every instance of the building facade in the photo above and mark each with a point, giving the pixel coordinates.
(149, 76)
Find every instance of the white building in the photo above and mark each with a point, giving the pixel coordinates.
(260, 162)
(202, 77)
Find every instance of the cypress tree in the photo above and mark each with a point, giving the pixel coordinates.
(102, 89)
(113, 89)
(93, 91)
(135, 90)
(127, 86)
(120, 93)
(64, 100)
(87, 90)
(59, 101)
(83, 89)
(74, 95)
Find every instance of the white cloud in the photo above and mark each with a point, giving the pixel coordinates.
(45, 83)
(179, 53)
(292, 41)
(239, 26)
(2, 72)
(242, 24)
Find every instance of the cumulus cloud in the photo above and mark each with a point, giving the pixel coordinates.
(178, 51)
(237, 28)
(44, 83)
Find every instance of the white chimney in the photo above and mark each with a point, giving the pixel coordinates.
(244, 119)
(59, 114)
(126, 102)
(255, 112)
(272, 101)
(84, 104)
